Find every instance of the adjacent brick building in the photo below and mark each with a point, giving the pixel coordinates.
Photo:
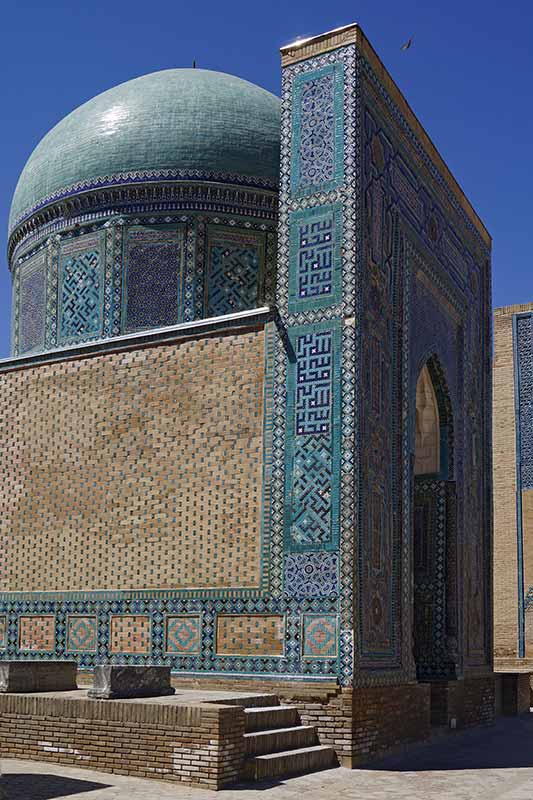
(513, 494)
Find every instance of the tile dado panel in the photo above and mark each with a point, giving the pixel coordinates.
(135, 470)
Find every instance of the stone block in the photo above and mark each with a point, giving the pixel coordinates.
(38, 676)
(116, 681)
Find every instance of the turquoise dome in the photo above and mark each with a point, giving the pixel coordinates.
(177, 123)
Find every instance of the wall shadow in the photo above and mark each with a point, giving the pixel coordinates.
(42, 786)
(505, 745)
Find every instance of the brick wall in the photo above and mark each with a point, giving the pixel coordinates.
(388, 717)
(469, 702)
(200, 745)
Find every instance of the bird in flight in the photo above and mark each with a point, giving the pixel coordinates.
(407, 45)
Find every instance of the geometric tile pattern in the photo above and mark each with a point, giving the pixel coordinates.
(130, 633)
(183, 635)
(235, 264)
(81, 634)
(81, 290)
(32, 304)
(317, 160)
(524, 368)
(255, 634)
(315, 273)
(314, 375)
(37, 633)
(152, 277)
(3, 632)
(319, 636)
(312, 450)
(311, 490)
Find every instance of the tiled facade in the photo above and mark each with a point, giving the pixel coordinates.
(240, 499)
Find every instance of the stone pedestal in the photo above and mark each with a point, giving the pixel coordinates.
(115, 682)
(38, 676)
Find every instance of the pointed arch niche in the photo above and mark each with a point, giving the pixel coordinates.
(435, 622)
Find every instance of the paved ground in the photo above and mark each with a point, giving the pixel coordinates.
(491, 764)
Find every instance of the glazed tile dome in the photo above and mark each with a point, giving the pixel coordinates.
(173, 124)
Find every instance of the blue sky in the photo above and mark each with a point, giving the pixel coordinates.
(468, 77)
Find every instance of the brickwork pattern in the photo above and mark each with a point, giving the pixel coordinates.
(37, 633)
(200, 745)
(388, 717)
(470, 702)
(130, 633)
(180, 456)
(250, 634)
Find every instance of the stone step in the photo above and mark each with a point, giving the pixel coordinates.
(251, 701)
(264, 742)
(266, 718)
(291, 762)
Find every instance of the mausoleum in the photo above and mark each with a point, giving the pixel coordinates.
(244, 430)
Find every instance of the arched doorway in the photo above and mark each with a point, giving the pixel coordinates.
(434, 623)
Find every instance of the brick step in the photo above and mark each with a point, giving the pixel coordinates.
(267, 718)
(263, 742)
(291, 762)
(252, 701)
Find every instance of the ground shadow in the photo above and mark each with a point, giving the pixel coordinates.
(41, 786)
(506, 745)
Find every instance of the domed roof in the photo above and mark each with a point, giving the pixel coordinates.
(176, 123)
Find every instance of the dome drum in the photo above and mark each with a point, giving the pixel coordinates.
(153, 204)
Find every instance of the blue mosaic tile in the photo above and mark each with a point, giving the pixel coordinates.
(311, 575)
(80, 289)
(318, 130)
(153, 264)
(32, 305)
(312, 445)
(234, 268)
